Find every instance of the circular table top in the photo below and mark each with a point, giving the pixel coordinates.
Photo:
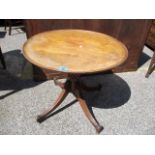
(75, 51)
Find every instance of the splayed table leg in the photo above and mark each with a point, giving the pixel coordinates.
(71, 85)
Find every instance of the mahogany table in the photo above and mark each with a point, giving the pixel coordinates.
(75, 53)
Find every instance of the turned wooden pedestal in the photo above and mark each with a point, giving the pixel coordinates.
(72, 85)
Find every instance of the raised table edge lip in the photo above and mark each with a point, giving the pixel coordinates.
(71, 72)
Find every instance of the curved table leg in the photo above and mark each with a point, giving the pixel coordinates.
(60, 99)
(86, 111)
(72, 85)
(151, 66)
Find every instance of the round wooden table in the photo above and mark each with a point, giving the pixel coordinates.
(75, 53)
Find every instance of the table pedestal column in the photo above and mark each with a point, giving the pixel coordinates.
(74, 86)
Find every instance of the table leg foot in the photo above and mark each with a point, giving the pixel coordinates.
(99, 129)
(40, 119)
(149, 71)
(90, 117)
(147, 75)
(60, 99)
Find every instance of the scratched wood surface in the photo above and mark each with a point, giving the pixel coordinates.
(75, 51)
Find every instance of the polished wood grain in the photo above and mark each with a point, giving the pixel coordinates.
(75, 51)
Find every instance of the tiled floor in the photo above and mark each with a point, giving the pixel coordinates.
(125, 104)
